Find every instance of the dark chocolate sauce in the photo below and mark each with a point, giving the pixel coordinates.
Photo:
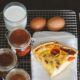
(6, 59)
(17, 77)
(19, 37)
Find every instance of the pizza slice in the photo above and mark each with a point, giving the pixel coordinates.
(54, 56)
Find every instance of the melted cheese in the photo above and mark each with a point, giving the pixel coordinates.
(54, 64)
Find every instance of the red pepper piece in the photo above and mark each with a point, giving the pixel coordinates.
(55, 51)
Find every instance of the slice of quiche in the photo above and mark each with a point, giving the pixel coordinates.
(54, 56)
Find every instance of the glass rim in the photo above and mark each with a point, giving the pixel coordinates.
(25, 44)
(14, 4)
(9, 67)
(20, 71)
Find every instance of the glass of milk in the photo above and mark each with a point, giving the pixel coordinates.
(15, 15)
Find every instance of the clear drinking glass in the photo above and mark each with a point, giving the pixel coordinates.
(18, 71)
(15, 15)
(4, 57)
(23, 45)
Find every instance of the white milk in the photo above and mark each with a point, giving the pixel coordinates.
(15, 16)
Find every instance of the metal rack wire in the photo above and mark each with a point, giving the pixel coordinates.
(71, 26)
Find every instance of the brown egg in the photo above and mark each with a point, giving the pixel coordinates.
(38, 23)
(56, 23)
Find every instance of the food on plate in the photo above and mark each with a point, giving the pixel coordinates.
(54, 56)
(38, 23)
(56, 23)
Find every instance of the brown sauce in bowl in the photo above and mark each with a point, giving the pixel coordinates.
(6, 59)
(19, 37)
(17, 77)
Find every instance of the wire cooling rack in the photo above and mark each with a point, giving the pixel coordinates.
(71, 26)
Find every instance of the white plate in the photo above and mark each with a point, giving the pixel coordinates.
(70, 73)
